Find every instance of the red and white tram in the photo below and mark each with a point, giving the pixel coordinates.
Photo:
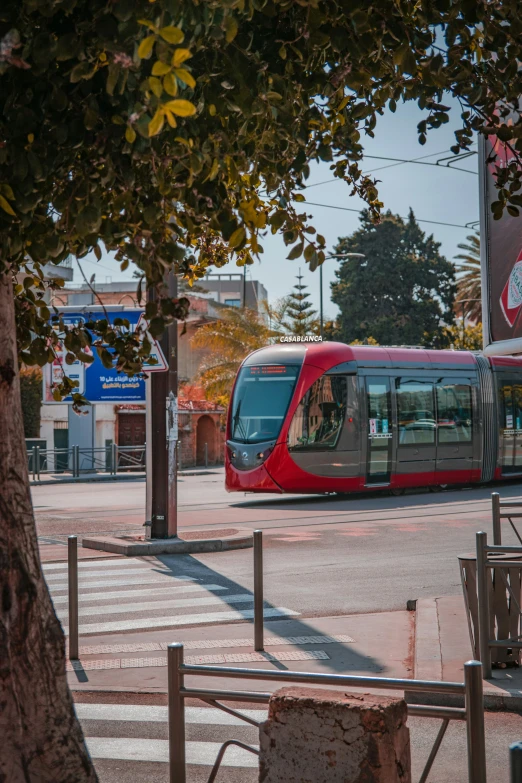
(329, 417)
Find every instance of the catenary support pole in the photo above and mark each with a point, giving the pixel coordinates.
(497, 532)
(475, 722)
(177, 767)
(258, 591)
(483, 604)
(72, 564)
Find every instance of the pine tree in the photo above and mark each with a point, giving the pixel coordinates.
(300, 317)
(401, 293)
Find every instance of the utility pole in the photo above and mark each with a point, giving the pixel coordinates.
(162, 433)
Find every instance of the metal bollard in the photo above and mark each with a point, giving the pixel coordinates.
(206, 455)
(258, 591)
(483, 604)
(34, 463)
(515, 762)
(475, 722)
(114, 461)
(72, 562)
(177, 768)
(497, 532)
(38, 462)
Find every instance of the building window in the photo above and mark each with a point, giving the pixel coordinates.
(416, 412)
(233, 302)
(319, 418)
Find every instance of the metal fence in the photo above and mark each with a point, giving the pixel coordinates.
(77, 460)
(509, 571)
(471, 689)
(504, 509)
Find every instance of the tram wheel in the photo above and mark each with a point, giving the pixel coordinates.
(397, 491)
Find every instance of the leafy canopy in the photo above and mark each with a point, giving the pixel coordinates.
(175, 133)
(401, 292)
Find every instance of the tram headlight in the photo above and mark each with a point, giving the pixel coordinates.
(262, 455)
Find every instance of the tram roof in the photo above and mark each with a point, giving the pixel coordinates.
(330, 354)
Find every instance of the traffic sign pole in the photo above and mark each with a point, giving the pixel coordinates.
(162, 432)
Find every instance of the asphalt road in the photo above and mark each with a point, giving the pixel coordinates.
(323, 555)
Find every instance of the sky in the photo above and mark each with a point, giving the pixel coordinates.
(436, 193)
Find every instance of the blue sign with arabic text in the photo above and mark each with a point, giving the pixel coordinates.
(96, 382)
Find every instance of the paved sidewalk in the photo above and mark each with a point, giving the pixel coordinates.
(442, 646)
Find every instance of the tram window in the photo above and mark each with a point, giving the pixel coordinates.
(416, 412)
(319, 418)
(261, 399)
(511, 397)
(454, 413)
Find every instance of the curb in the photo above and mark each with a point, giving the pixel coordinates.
(428, 666)
(166, 546)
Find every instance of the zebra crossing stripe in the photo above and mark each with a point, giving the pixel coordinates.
(112, 562)
(140, 713)
(172, 622)
(197, 753)
(85, 578)
(148, 592)
(147, 606)
(155, 579)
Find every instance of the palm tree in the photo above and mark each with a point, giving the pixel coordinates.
(227, 341)
(469, 282)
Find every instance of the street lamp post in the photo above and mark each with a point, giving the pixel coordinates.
(331, 255)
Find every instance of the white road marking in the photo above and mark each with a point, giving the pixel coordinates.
(148, 580)
(112, 562)
(148, 592)
(171, 622)
(147, 606)
(157, 714)
(199, 753)
(85, 578)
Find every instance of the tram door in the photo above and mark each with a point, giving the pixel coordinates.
(511, 426)
(379, 430)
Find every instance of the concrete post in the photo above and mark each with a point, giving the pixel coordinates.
(329, 736)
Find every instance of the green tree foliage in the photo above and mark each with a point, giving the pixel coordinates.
(173, 134)
(468, 280)
(31, 394)
(227, 342)
(401, 292)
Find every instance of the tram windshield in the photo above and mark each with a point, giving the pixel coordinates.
(261, 399)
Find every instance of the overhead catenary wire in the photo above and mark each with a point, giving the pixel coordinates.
(419, 220)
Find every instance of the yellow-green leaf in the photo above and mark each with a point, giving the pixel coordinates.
(180, 107)
(130, 134)
(179, 57)
(185, 77)
(230, 28)
(146, 46)
(171, 119)
(237, 237)
(214, 170)
(170, 84)
(156, 123)
(6, 206)
(172, 34)
(212, 110)
(7, 191)
(148, 24)
(160, 69)
(155, 86)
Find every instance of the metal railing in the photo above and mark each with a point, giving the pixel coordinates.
(471, 689)
(76, 460)
(485, 621)
(499, 513)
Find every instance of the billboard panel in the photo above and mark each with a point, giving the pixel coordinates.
(96, 382)
(501, 259)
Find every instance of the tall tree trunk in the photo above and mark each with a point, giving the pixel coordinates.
(40, 738)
